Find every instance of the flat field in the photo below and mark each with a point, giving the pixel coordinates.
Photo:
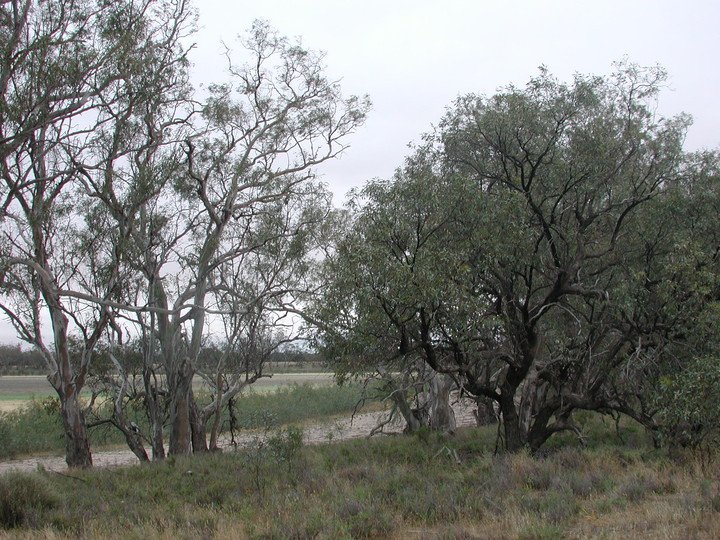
(18, 389)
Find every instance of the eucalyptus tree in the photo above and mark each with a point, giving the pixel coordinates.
(256, 295)
(81, 85)
(386, 262)
(500, 253)
(247, 188)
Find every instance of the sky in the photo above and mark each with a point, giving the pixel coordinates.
(414, 58)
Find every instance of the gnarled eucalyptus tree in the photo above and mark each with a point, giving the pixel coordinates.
(501, 253)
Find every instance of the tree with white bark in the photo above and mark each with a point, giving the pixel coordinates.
(131, 210)
(85, 93)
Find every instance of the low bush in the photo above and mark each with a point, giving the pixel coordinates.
(403, 486)
(293, 404)
(34, 428)
(23, 496)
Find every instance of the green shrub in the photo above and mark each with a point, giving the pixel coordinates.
(22, 495)
(277, 454)
(544, 531)
(361, 489)
(293, 404)
(638, 486)
(689, 405)
(36, 427)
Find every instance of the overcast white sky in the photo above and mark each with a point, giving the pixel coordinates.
(413, 57)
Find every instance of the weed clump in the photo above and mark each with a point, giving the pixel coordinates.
(36, 427)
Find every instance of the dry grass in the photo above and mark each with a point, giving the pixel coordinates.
(7, 405)
(401, 487)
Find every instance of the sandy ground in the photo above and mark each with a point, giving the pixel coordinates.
(339, 429)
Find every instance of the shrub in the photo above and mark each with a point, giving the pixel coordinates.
(21, 496)
(277, 454)
(689, 404)
(36, 427)
(293, 404)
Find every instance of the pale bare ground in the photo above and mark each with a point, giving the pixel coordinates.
(337, 429)
(7, 405)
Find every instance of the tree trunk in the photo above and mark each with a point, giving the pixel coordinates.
(156, 421)
(198, 427)
(514, 440)
(485, 412)
(539, 431)
(516, 430)
(181, 433)
(412, 420)
(442, 416)
(77, 445)
(217, 421)
(130, 431)
(135, 444)
(157, 438)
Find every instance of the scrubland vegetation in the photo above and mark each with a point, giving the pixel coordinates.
(424, 485)
(551, 252)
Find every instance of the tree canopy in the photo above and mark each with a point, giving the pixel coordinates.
(523, 249)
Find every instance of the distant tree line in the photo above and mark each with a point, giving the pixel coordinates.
(14, 360)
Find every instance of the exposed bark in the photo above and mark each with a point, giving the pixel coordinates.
(198, 425)
(152, 405)
(414, 419)
(77, 444)
(485, 413)
(180, 383)
(136, 446)
(442, 416)
(217, 412)
(66, 382)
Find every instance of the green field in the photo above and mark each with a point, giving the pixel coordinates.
(17, 390)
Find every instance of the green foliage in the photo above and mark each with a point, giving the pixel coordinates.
(34, 428)
(37, 426)
(294, 404)
(532, 245)
(279, 451)
(23, 496)
(689, 404)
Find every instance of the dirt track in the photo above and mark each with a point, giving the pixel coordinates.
(321, 432)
